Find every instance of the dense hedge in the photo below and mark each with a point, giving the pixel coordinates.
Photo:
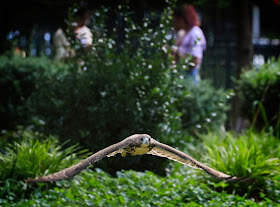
(259, 89)
(203, 106)
(18, 79)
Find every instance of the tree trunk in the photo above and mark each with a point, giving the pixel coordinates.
(244, 53)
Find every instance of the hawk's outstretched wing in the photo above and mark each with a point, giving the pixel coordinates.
(137, 144)
(163, 150)
(70, 172)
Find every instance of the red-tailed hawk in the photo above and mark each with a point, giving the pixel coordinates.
(137, 144)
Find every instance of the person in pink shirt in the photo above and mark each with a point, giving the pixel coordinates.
(190, 40)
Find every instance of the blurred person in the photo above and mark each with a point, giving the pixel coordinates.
(190, 39)
(62, 45)
(81, 32)
(80, 27)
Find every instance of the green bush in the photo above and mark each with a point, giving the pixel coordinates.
(203, 107)
(107, 102)
(18, 78)
(31, 155)
(259, 89)
(250, 154)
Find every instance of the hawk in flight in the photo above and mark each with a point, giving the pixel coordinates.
(137, 144)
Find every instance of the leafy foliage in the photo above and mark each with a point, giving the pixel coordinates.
(183, 186)
(253, 154)
(259, 90)
(18, 78)
(31, 156)
(203, 107)
(108, 101)
(132, 188)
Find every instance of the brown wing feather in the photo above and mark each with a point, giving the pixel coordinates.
(164, 150)
(75, 169)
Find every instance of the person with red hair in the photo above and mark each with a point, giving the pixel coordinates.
(190, 39)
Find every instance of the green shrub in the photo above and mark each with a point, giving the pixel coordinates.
(18, 78)
(30, 156)
(259, 89)
(203, 107)
(253, 154)
(108, 102)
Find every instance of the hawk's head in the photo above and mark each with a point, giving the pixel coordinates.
(141, 140)
(145, 140)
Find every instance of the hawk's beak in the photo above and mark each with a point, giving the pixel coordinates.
(145, 140)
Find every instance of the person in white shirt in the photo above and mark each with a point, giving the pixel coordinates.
(62, 46)
(190, 39)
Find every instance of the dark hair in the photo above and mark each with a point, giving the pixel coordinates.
(189, 14)
(83, 10)
(82, 13)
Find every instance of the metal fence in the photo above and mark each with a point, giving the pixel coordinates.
(220, 61)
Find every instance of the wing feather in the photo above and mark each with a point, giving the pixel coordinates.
(163, 153)
(114, 153)
(70, 172)
(163, 150)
